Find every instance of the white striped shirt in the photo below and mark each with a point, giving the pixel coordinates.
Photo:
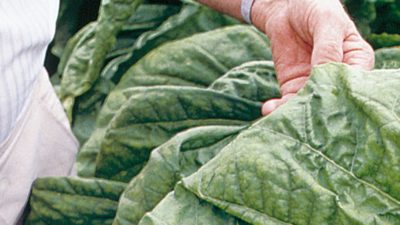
(26, 29)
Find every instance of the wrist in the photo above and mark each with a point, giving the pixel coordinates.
(263, 10)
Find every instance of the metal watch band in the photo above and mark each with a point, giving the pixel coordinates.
(246, 10)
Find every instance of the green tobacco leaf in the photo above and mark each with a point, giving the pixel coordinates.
(78, 45)
(192, 19)
(73, 201)
(152, 115)
(199, 60)
(255, 81)
(179, 157)
(147, 18)
(195, 61)
(387, 58)
(182, 207)
(329, 156)
(84, 72)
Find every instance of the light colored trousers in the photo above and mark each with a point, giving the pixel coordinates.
(41, 144)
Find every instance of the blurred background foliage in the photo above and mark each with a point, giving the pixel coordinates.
(377, 20)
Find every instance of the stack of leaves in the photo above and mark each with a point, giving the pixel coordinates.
(166, 101)
(97, 56)
(88, 74)
(329, 156)
(181, 85)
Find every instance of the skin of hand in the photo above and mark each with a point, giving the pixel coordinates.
(305, 33)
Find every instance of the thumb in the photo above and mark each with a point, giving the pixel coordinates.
(273, 104)
(288, 90)
(327, 46)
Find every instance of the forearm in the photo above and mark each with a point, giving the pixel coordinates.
(260, 9)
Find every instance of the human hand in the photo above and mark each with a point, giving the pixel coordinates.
(305, 33)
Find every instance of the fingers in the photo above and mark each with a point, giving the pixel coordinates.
(292, 57)
(291, 54)
(348, 48)
(326, 35)
(336, 39)
(288, 90)
(328, 45)
(358, 53)
(294, 85)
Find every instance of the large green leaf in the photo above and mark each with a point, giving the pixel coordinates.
(331, 155)
(192, 61)
(255, 81)
(177, 158)
(192, 19)
(73, 201)
(199, 60)
(147, 18)
(79, 45)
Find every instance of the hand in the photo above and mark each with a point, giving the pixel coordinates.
(305, 33)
